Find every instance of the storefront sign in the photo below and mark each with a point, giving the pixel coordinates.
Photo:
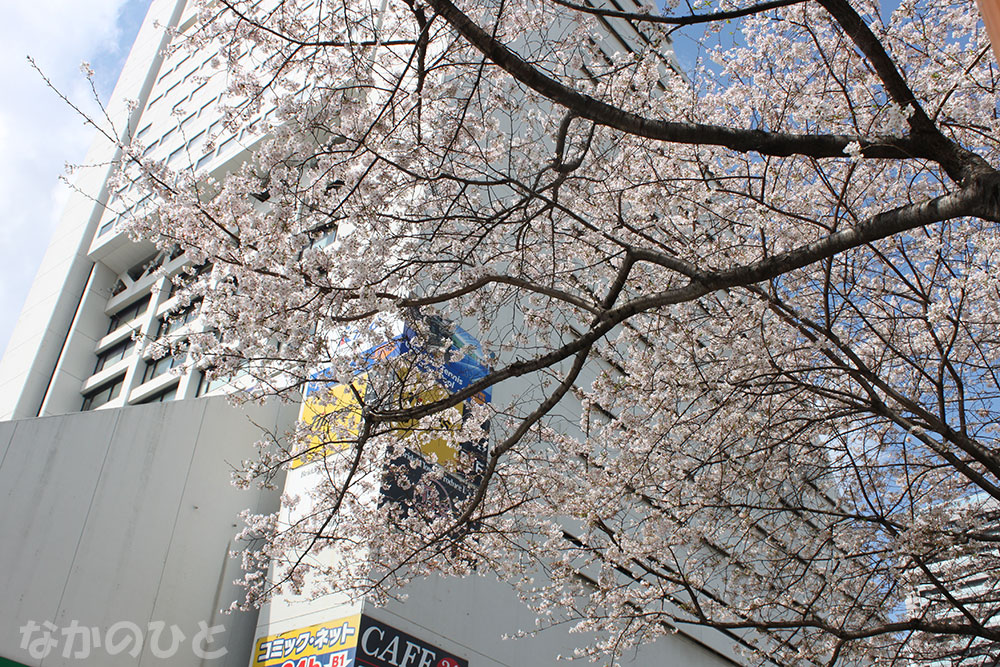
(382, 645)
(324, 645)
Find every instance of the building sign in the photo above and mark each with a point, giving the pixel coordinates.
(463, 464)
(355, 640)
(382, 645)
(333, 413)
(330, 644)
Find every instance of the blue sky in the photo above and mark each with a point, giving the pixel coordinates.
(38, 132)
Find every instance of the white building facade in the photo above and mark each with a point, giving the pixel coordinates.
(80, 341)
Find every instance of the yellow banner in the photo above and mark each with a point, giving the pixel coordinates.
(334, 422)
(330, 644)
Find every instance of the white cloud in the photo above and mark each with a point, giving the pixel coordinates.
(38, 132)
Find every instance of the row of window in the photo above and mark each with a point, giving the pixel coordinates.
(176, 66)
(128, 313)
(157, 367)
(168, 394)
(103, 394)
(168, 325)
(175, 321)
(124, 349)
(113, 389)
(196, 146)
(186, 152)
(114, 354)
(205, 385)
(188, 277)
(205, 66)
(190, 150)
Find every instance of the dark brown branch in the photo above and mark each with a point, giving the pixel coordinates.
(602, 113)
(690, 19)
(968, 201)
(959, 163)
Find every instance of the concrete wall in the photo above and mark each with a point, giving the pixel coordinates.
(475, 617)
(127, 515)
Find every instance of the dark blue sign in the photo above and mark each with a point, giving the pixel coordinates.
(381, 645)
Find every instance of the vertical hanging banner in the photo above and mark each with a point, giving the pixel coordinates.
(333, 412)
(459, 466)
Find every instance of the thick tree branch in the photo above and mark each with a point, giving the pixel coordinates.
(602, 113)
(959, 163)
(967, 201)
(691, 19)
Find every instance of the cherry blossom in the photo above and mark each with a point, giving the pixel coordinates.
(741, 320)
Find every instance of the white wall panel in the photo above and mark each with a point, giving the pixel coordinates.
(127, 515)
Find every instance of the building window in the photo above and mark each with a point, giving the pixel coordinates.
(106, 227)
(177, 108)
(323, 240)
(157, 367)
(114, 353)
(203, 160)
(176, 155)
(188, 277)
(128, 313)
(224, 146)
(206, 386)
(168, 394)
(174, 321)
(103, 394)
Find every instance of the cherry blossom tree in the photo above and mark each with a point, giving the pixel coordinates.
(742, 322)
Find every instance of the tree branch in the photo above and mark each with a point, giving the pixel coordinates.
(602, 113)
(691, 19)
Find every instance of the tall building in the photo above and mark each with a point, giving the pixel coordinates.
(121, 511)
(80, 342)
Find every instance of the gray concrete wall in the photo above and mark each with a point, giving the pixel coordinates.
(476, 617)
(127, 516)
